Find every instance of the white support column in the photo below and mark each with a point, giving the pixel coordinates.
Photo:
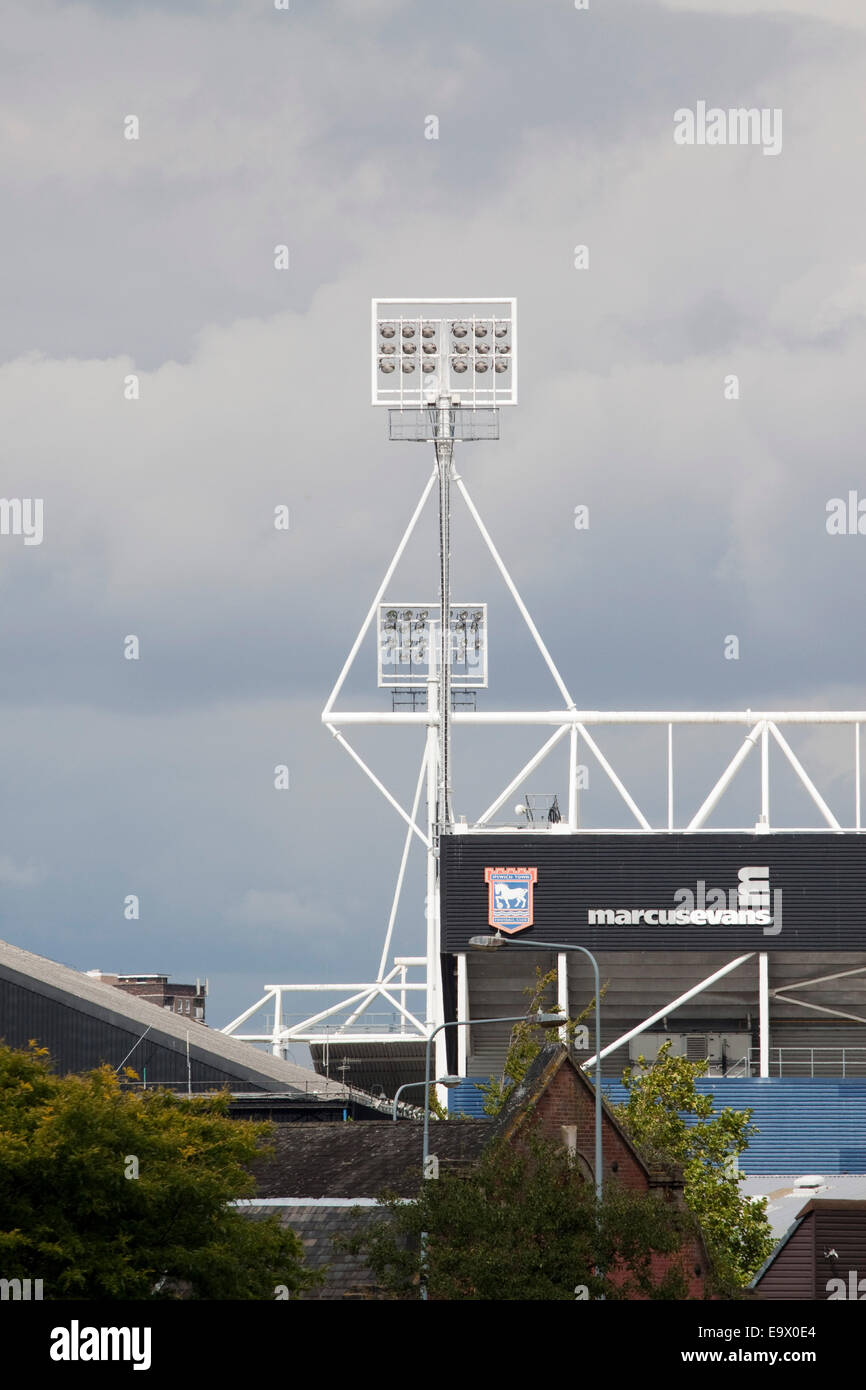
(432, 951)
(669, 1008)
(247, 1013)
(573, 803)
(764, 1012)
(726, 778)
(765, 777)
(276, 1041)
(512, 588)
(379, 595)
(670, 776)
(376, 783)
(401, 873)
(562, 989)
(804, 777)
(623, 791)
(522, 775)
(435, 1011)
(463, 1039)
(857, 775)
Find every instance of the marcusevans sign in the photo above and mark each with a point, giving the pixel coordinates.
(747, 905)
(674, 891)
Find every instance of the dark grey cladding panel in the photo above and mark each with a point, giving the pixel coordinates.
(590, 889)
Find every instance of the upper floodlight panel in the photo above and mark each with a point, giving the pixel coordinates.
(426, 348)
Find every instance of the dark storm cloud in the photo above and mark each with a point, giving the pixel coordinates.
(156, 257)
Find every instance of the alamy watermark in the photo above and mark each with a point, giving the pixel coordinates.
(846, 516)
(740, 125)
(22, 516)
(853, 1289)
(77, 1343)
(23, 1290)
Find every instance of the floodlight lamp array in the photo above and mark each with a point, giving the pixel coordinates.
(421, 352)
(459, 345)
(408, 641)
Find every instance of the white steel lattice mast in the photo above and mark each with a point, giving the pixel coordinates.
(444, 368)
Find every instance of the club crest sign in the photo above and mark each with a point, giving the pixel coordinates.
(510, 891)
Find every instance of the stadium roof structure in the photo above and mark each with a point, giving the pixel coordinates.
(84, 1023)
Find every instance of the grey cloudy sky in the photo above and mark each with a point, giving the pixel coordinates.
(155, 256)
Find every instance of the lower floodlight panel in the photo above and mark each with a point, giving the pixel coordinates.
(408, 642)
(426, 349)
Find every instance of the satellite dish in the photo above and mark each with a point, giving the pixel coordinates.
(520, 809)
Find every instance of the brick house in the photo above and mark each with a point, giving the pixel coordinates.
(320, 1172)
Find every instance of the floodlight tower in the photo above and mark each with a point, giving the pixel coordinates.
(443, 368)
(449, 390)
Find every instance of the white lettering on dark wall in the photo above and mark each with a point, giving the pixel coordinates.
(746, 905)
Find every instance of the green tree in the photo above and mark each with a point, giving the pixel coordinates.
(524, 1225)
(735, 1228)
(526, 1041)
(108, 1193)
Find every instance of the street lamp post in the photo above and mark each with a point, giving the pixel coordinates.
(448, 1081)
(489, 943)
(543, 1020)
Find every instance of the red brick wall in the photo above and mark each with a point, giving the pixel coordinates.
(566, 1101)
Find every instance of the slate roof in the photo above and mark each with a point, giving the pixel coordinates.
(364, 1159)
(344, 1276)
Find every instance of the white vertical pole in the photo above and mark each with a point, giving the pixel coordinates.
(403, 998)
(463, 1040)
(562, 989)
(572, 779)
(764, 1012)
(438, 1007)
(670, 776)
(435, 1013)
(398, 888)
(276, 1046)
(765, 775)
(857, 775)
(444, 454)
(432, 885)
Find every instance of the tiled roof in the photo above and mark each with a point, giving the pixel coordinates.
(343, 1276)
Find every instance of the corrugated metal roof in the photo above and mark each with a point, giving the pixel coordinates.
(112, 1005)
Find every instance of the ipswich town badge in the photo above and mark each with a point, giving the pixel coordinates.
(510, 898)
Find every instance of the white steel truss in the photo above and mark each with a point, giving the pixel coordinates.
(340, 1021)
